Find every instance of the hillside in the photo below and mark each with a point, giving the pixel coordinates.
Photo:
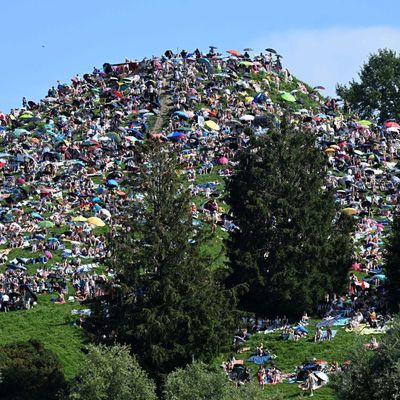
(67, 160)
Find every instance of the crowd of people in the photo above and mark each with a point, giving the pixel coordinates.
(65, 161)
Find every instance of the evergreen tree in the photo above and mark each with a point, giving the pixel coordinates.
(168, 304)
(377, 93)
(393, 267)
(288, 253)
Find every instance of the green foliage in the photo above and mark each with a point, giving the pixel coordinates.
(393, 266)
(169, 305)
(378, 89)
(112, 373)
(373, 375)
(30, 372)
(288, 253)
(199, 381)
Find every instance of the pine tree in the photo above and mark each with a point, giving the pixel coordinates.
(168, 304)
(288, 253)
(393, 267)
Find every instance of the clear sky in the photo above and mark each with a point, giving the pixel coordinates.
(322, 42)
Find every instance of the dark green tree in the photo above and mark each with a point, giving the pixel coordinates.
(112, 373)
(30, 372)
(168, 304)
(377, 91)
(373, 375)
(289, 251)
(393, 267)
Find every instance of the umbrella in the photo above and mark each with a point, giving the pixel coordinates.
(234, 53)
(46, 224)
(248, 49)
(322, 376)
(176, 135)
(79, 218)
(37, 215)
(319, 88)
(181, 114)
(112, 182)
(364, 122)
(19, 131)
(223, 161)
(246, 63)
(349, 211)
(271, 50)
(131, 139)
(96, 221)
(288, 97)
(212, 125)
(106, 212)
(247, 117)
(392, 124)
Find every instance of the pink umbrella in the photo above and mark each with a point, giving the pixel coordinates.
(223, 161)
(48, 254)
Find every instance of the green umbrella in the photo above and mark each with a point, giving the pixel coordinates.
(288, 97)
(46, 224)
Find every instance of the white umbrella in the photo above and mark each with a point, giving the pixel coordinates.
(322, 376)
(247, 117)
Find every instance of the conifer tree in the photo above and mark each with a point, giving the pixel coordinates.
(393, 267)
(288, 253)
(168, 304)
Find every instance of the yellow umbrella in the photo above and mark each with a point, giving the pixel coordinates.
(248, 99)
(212, 125)
(349, 211)
(79, 218)
(364, 122)
(96, 221)
(329, 150)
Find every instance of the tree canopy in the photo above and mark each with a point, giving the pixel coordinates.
(112, 373)
(377, 91)
(29, 371)
(169, 305)
(291, 247)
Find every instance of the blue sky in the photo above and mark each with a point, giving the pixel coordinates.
(322, 44)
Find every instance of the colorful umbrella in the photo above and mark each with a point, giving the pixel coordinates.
(96, 221)
(288, 97)
(234, 53)
(212, 125)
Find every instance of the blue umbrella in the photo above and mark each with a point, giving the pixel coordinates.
(96, 199)
(181, 114)
(176, 135)
(112, 182)
(36, 215)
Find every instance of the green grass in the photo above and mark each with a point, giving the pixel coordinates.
(52, 324)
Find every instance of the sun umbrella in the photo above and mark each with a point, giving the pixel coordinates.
(96, 221)
(234, 53)
(106, 212)
(271, 50)
(212, 125)
(223, 161)
(392, 124)
(176, 135)
(79, 218)
(19, 131)
(248, 49)
(131, 139)
(112, 182)
(37, 215)
(322, 376)
(288, 97)
(246, 63)
(364, 122)
(248, 99)
(46, 224)
(330, 150)
(181, 114)
(349, 211)
(319, 88)
(247, 117)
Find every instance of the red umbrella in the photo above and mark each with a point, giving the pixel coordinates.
(392, 124)
(234, 53)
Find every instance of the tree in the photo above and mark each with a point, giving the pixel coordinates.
(393, 267)
(29, 371)
(373, 375)
(112, 373)
(377, 93)
(198, 382)
(289, 252)
(169, 305)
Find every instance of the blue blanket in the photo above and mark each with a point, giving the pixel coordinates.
(259, 359)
